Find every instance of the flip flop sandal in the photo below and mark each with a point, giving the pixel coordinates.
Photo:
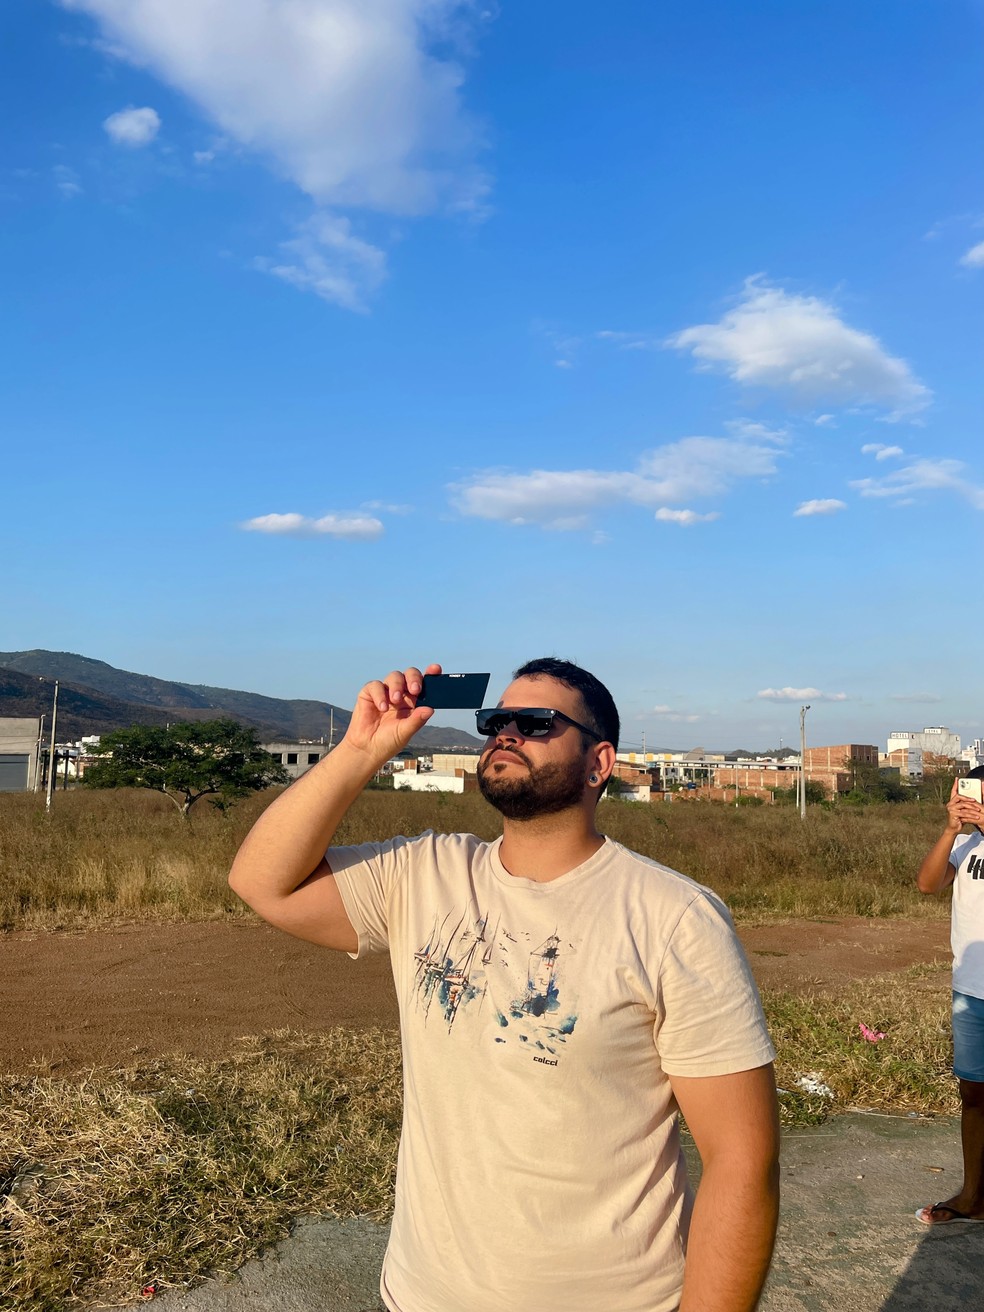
(954, 1218)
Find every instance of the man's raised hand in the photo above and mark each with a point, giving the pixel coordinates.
(386, 715)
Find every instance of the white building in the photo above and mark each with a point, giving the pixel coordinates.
(431, 782)
(938, 740)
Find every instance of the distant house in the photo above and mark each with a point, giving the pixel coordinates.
(462, 781)
(296, 756)
(19, 753)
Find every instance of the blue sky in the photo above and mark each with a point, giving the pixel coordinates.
(344, 334)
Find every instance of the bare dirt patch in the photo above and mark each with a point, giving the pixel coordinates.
(118, 996)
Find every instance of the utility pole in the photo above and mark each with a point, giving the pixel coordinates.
(803, 711)
(331, 727)
(38, 754)
(51, 753)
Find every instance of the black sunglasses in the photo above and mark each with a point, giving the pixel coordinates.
(531, 721)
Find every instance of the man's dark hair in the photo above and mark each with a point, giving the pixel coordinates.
(977, 773)
(598, 701)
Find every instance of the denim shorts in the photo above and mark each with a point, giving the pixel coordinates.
(968, 1037)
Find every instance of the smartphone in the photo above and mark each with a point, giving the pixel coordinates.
(970, 788)
(461, 692)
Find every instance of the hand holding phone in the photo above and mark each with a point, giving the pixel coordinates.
(971, 789)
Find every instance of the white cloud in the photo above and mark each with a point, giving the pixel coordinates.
(822, 506)
(352, 527)
(67, 181)
(673, 717)
(751, 431)
(880, 451)
(343, 96)
(800, 695)
(825, 421)
(924, 476)
(564, 499)
(327, 259)
(389, 508)
(133, 127)
(684, 517)
(974, 258)
(800, 345)
(628, 341)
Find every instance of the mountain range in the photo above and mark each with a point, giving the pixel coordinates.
(95, 698)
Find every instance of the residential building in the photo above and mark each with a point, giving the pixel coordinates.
(836, 758)
(431, 781)
(451, 762)
(937, 739)
(296, 755)
(908, 762)
(20, 739)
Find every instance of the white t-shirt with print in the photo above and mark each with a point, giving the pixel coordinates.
(540, 1164)
(967, 914)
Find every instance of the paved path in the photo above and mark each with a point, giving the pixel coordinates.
(848, 1240)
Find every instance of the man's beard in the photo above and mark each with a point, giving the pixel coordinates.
(543, 790)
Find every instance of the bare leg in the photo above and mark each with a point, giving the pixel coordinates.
(970, 1198)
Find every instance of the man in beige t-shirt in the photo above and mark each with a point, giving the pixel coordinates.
(560, 998)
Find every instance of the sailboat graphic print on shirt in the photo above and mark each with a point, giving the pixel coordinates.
(466, 964)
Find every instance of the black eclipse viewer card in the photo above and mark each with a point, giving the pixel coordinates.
(459, 692)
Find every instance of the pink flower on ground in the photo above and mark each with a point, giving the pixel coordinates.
(873, 1036)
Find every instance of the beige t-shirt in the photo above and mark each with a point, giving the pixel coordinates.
(540, 1167)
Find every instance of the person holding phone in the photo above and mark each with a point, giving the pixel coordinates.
(957, 859)
(561, 1000)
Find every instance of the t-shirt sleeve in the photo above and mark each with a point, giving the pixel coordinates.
(366, 876)
(959, 846)
(709, 1019)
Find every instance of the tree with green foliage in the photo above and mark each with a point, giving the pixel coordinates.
(870, 783)
(939, 773)
(816, 793)
(218, 759)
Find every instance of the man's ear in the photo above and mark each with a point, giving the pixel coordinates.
(603, 762)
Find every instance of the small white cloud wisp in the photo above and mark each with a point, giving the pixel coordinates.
(799, 695)
(880, 451)
(328, 259)
(668, 714)
(133, 127)
(974, 258)
(801, 346)
(923, 476)
(819, 506)
(347, 527)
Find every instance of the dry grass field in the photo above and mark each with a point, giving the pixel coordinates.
(105, 857)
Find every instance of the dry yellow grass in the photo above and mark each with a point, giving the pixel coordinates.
(178, 1168)
(127, 855)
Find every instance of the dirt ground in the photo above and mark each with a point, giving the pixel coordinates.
(112, 997)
